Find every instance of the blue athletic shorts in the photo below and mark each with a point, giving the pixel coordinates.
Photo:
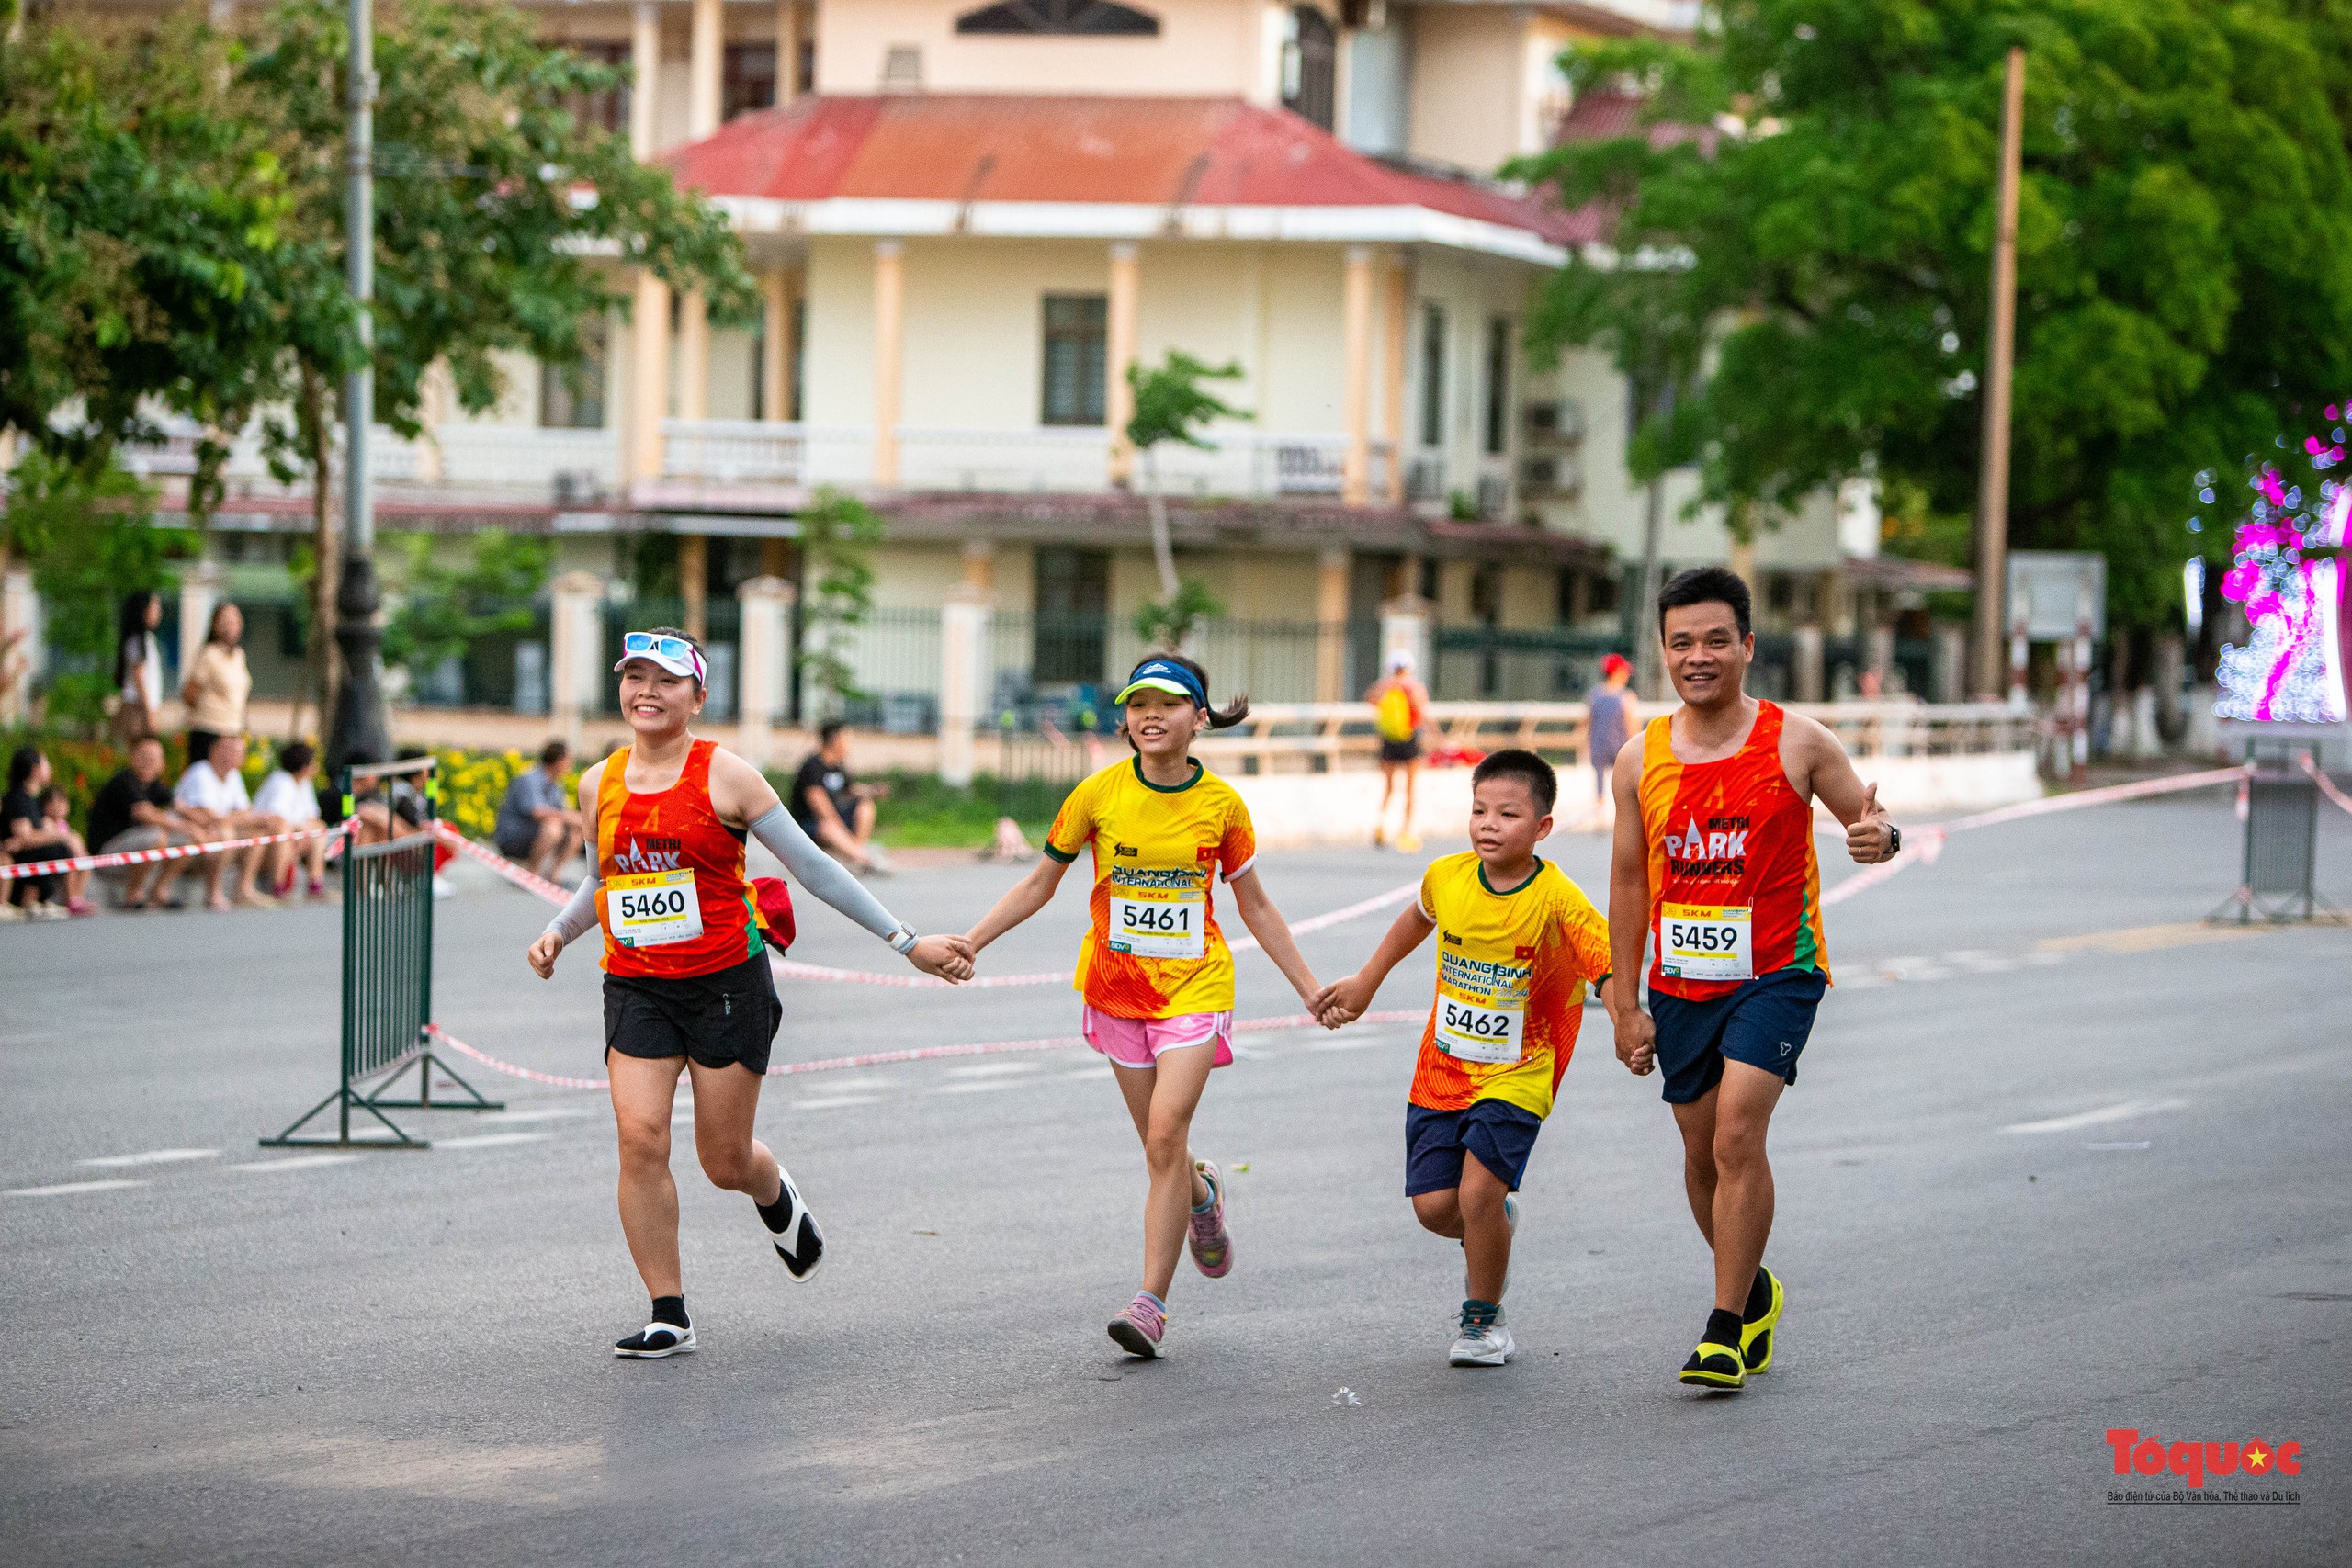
(1502, 1135)
(1764, 1023)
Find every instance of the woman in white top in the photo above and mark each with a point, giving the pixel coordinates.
(217, 684)
(138, 666)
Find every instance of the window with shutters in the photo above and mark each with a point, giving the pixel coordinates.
(1078, 351)
(1078, 17)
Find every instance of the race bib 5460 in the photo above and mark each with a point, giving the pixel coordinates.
(1170, 922)
(653, 908)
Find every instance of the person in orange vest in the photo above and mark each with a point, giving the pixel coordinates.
(1400, 706)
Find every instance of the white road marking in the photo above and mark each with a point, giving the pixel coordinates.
(299, 1162)
(2099, 1118)
(2105, 1148)
(490, 1140)
(833, 1101)
(981, 1087)
(65, 1188)
(992, 1070)
(1087, 1075)
(151, 1157)
(554, 1113)
(1343, 1042)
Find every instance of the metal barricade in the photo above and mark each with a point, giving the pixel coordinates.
(387, 864)
(2277, 877)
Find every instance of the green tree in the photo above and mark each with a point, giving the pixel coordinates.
(496, 206)
(1171, 405)
(1817, 280)
(838, 532)
(445, 607)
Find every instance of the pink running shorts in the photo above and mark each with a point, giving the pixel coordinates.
(1138, 1041)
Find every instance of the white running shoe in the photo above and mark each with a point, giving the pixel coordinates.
(654, 1341)
(1481, 1341)
(794, 1230)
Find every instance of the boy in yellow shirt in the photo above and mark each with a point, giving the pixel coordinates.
(1518, 943)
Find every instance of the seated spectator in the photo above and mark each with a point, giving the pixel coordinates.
(537, 826)
(133, 811)
(211, 797)
(290, 794)
(27, 835)
(832, 807)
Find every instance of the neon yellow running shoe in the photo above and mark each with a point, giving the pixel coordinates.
(1756, 1334)
(1714, 1366)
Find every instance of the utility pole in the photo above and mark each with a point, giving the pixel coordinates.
(1649, 654)
(1988, 646)
(358, 733)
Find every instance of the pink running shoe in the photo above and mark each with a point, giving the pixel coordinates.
(1212, 1245)
(1139, 1328)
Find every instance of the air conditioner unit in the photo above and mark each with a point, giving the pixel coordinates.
(1551, 477)
(1494, 495)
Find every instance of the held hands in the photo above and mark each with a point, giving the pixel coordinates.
(543, 954)
(948, 957)
(1637, 1041)
(1342, 1001)
(1871, 836)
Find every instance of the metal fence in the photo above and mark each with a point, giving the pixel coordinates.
(1496, 664)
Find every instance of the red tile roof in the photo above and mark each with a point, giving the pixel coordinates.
(1174, 153)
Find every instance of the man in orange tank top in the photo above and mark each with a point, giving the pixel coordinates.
(1715, 864)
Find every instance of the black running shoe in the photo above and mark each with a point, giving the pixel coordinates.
(1715, 1366)
(654, 1341)
(794, 1229)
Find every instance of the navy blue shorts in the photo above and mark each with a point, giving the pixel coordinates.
(1764, 1023)
(1502, 1135)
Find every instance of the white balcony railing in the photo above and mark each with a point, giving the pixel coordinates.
(1038, 459)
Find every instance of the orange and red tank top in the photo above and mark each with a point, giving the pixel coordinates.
(674, 903)
(1735, 889)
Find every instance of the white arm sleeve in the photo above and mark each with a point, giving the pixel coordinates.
(821, 873)
(580, 915)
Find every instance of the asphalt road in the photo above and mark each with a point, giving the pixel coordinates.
(2060, 1161)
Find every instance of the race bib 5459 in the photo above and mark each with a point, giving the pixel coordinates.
(1706, 941)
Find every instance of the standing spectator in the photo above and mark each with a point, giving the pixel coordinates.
(138, 666)
(832, 807)
(133, 811)
(26, 834)
(537, 826)
(211, 796)
(290, 794)
(1400, 706)
(218, 685)
(1611, 713)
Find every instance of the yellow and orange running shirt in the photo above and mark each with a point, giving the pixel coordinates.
(1155, 950)
(1511, 972)
(1735, 889)
(674, 904)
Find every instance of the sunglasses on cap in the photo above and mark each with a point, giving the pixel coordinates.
(674, 654)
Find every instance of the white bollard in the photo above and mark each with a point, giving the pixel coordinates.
(963, 665)
(765, 679)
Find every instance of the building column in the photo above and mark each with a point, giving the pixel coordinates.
(776, 345)
(963, 667)
(693, 373)
(1332, 624)
(704, 53)
(648, 375)
(1808, 660)
(645, 67)
(787, 51)
(576, 647)
(1395, 350)
(763, 665)
(980, 565)
(432, 466)
(1119, 401)
(889, 354)
(694, 582)
(19, 615)
(199, 590)
(1355, 475)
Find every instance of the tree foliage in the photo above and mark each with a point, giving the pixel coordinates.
(838, 532)
(444, 606)
(1171, 405)
(1805, 229)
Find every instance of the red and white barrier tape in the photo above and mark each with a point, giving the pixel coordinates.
(2102, 796)
(146, 857)
(2326, 786)
(793, 968)
(914, 1053)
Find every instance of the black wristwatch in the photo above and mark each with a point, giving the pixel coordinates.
(1893, 840)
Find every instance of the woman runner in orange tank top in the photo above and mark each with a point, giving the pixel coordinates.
(687, 984)
(1713, 862)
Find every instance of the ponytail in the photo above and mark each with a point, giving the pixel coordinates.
(1232, 713)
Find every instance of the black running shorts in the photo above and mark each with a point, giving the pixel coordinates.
(726, 1018)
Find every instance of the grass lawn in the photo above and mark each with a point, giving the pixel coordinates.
(921, 812)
